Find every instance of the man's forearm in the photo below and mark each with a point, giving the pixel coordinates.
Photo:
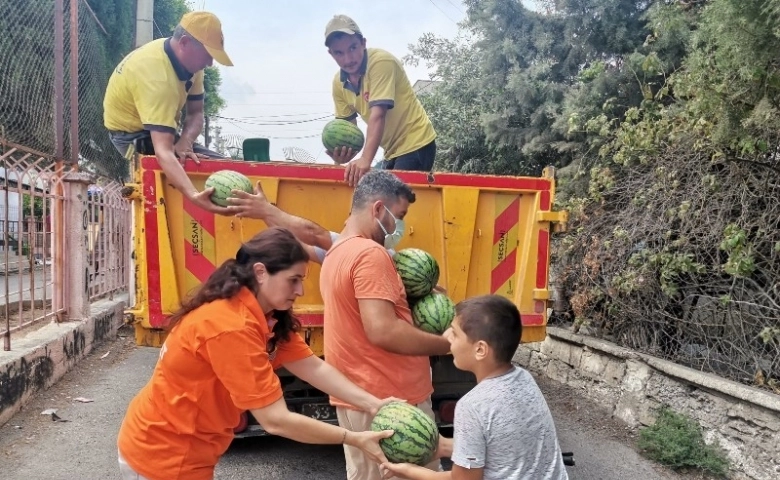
(376, 128)
(175, 173)
(405, 339)
(306, 230)
(193, 126)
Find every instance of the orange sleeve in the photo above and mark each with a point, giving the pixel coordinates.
(374, 275)
(240, 361)
(292, 350)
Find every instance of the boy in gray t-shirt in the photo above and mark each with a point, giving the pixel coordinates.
(503, 429)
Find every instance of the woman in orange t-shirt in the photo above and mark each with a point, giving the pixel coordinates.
(219, 360)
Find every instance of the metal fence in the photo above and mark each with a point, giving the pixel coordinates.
(108, 242)
(63, 243)
(30, 204)
(57, 58)
(36, 259)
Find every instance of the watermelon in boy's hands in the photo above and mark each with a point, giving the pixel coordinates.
(224, 181)
(416, 435)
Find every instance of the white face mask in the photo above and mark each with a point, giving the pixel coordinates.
(392, 239)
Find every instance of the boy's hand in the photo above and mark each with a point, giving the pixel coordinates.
(444, 448)
(398, 470)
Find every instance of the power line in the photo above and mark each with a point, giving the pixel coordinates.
(287, 104)
(286, 115)
(456, 6)
(266, 124)
(288, 92)
(271, 137)
(443, 12)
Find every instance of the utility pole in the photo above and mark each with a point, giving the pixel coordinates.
(144, 22)
(206, 132)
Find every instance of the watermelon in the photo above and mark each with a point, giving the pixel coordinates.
(418, 270)
(223, 182)
(415, 436)
(342, 133)
(433, 313)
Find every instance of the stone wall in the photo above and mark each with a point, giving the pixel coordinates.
(744, 420)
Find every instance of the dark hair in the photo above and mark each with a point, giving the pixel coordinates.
(380, 185)
(277, 249)
(339, 35)
(494, 320)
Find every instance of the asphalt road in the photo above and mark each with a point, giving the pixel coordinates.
(22, 283)
(32, 446)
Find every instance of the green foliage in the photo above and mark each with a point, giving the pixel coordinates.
(32, 206)
(677, 442)
(690, 174)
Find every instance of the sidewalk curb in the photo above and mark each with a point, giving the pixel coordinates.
(40, 359)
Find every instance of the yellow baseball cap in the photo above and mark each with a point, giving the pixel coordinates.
(341, 23)
(206, 28)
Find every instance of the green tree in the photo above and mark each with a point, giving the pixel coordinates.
(523, 76)
(682, 203)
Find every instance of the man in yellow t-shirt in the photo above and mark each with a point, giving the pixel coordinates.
(372, 83)
(149, 88)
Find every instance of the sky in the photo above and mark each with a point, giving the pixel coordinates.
(279, 86)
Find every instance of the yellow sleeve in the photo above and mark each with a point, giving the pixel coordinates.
(343, 109)
(198, 90)
(382, 76)
(157, 104)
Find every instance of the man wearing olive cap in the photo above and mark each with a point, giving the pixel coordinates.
(372, 83)
(149, 88)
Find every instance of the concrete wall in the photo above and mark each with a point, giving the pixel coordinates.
(745, 420)
(40, 358)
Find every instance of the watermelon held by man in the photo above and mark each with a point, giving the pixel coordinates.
(224, 181)
(433, 313)
(418, 270)
(415, 434)
(342, 133)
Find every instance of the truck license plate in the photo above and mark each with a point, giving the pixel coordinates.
(318, 411)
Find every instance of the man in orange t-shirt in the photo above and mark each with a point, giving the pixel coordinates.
(369, 334)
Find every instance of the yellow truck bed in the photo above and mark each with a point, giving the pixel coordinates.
(489, 234)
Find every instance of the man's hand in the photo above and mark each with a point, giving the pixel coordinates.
(379, 403)
(244, 204)
(355, 170)
(183, 150)
(341, 155)
(203, 201)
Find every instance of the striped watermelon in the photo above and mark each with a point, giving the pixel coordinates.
(223, 182)
(433, 313)
(418, 270)
(342, 133)
(416, 436)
